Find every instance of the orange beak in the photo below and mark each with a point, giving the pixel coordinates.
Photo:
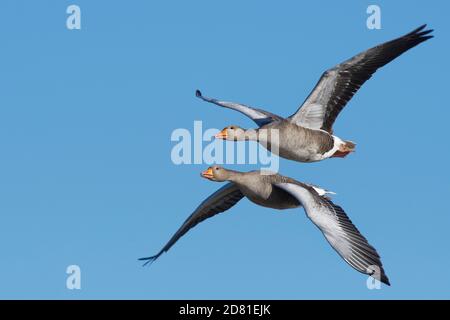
(222, 134)
(208, 173)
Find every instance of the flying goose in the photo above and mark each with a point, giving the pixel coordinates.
(280, 192)
(307, 135)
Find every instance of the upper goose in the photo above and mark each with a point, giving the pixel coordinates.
(279, 192)
(307, 135)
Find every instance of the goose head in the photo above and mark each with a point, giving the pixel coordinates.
(232, 133)
(216, 173)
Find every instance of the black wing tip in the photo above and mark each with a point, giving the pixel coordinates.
(421, 27)
(420, 32)
(149, 260)
(416, 37)
(384, 279)
(198, 93)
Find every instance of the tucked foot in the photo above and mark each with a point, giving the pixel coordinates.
(345, 148)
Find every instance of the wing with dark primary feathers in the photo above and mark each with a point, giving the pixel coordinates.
(338, 84)
(260, 117)
(339, 231)
(220, 201)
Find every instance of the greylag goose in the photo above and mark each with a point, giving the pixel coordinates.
(280, 192)
(307, 135)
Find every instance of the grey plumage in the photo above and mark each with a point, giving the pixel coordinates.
(338, 84)
(339, 231)
(280, 192)
(259, 116)
(220, 201)
(306, 136)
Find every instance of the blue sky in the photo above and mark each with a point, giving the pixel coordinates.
(86, 176)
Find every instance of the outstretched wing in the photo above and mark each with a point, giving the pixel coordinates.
(339, 231)
(260, 117)
(220, 201)
(338, 84)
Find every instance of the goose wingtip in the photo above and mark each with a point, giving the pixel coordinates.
(386, 282)
(383, 278)
(148, 260)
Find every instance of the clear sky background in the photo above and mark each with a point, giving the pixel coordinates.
(86, 176)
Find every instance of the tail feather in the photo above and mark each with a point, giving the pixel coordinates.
(321, 191)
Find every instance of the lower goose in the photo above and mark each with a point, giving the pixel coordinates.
(279, 192)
